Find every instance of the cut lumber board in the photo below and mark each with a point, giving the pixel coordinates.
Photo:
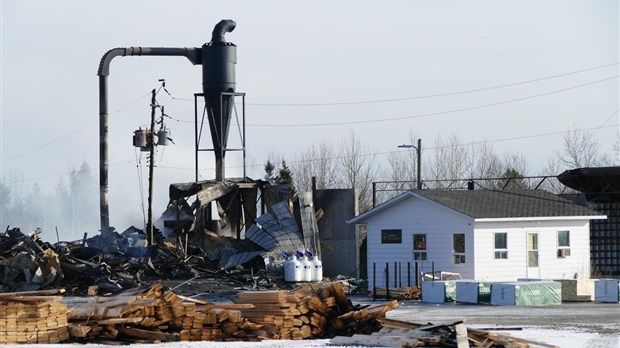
(33, 293)
(226, 306)
(147, 334)
(461, 336)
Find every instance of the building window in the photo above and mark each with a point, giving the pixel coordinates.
(458, 248)
(501, 246)
(532, 249)
(563, 244)
(391, 236)
(419, 247)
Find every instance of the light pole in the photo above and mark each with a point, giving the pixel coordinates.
(418, 150)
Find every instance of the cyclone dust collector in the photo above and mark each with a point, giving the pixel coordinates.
(218, 59)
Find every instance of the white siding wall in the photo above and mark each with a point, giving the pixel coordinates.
(550, 266)
(417, 216)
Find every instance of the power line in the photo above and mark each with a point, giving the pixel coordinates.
(48, 143)
(426, 148)
(418, 97)
(69, 134)
(433, 113)
(439, 113)
(341, 157)
(607, 120)
(358, 122)
(64, 174)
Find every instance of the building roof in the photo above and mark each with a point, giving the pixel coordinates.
(599, 184)
(493, 204)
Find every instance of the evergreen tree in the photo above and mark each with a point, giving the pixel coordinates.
(285, 176)
(269, 168)
(512, 180)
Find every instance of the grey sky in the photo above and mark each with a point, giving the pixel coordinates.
(319, 52)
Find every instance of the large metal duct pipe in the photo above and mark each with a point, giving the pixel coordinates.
(218, 82)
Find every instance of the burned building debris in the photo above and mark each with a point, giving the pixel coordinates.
(209, 227)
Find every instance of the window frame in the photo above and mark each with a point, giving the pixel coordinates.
(458, 257)
(391, 232)
(500, 253)
(563, 250)
(420, 253)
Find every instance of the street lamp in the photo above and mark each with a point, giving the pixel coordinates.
(418, 150)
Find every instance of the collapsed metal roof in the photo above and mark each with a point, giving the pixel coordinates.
(599, 184)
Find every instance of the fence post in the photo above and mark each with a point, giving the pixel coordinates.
(374, 281)
(395, 274)
(387, 281)
(408, 274)
(417, 274)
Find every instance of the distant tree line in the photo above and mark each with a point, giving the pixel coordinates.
(351, 164)
(71, 206)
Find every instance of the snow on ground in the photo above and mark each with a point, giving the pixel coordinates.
(569, 337)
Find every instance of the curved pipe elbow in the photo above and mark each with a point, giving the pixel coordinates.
(221, 28)
(104, 65)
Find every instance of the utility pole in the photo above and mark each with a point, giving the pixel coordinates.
(419, 163)
(418, 150)
(151, 145)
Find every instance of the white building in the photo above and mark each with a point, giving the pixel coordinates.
(480, 234)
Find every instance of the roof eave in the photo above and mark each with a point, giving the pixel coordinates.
(361, 218)
(542, 218)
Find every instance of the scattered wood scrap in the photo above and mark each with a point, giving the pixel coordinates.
(396, 333)
(154, 315)
(32, 317)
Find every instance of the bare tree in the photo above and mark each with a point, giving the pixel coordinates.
(449, 162)
(553, 168)
(613, 159)
(316, 161)
(580, 149)
(484, 163)
(357, 170)
(403, 165)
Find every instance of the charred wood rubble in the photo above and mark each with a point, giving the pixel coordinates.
(218, 235)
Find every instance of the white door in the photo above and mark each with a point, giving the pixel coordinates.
(533, 271)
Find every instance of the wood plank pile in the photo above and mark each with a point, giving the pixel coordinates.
(154, 315)
(396, 333)
(407, 293)
(313, 311)
(32, 317)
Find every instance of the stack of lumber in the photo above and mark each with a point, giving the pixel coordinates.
(32, 317)
(309, 312)
(408, 293)
(396, 333)
(154, 315)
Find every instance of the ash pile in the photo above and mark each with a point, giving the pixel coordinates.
(219, 235)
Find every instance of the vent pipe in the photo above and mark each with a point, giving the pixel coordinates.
(214, 56)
